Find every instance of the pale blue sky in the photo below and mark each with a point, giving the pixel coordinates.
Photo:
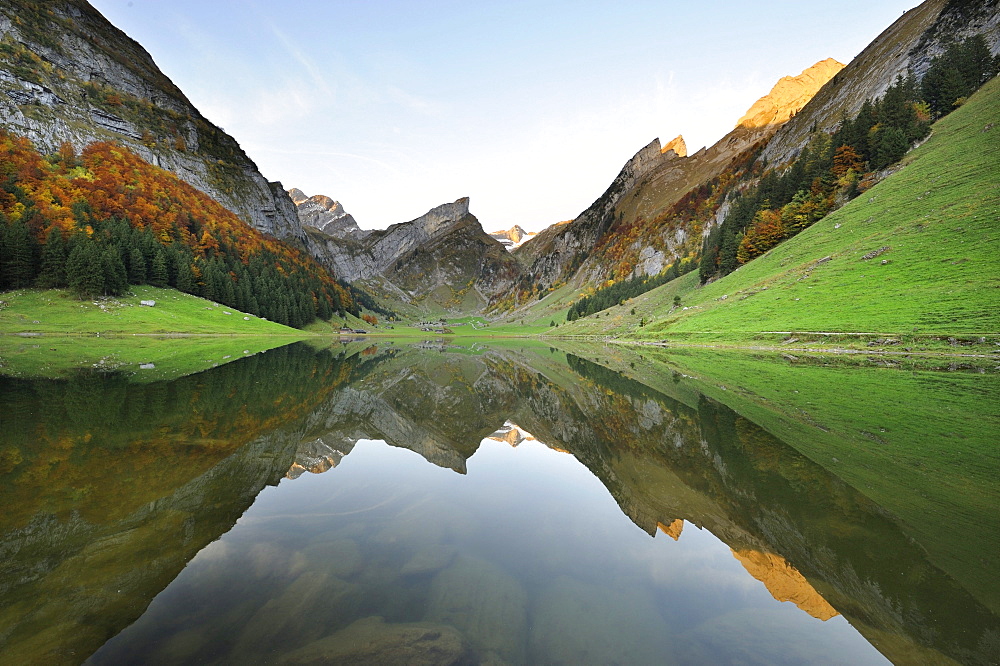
(529, 108)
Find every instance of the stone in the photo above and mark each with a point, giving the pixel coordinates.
(341, 558)
(429, 559)
(789, 95)
(578, 622)
(374, 641)
(302, 613)
(485, 603)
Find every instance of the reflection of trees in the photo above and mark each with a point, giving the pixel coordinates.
(115, 486)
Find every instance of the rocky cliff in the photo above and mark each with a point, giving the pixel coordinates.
(68, 75)
(442, 258)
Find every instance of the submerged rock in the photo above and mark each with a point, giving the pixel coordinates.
(488, 605)
(304, 612)
(341, 557)
(576, 622)
(429, 559)
(376, 642)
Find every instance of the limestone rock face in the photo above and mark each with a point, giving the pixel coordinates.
(784, 582)
(906, 47)
(93, 83)
(677, 145)
(326, 215)
(789, 95)
(650, 183)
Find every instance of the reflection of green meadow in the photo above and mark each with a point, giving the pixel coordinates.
(921, 443)
(144, 358)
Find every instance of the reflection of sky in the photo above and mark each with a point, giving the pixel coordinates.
(544, 518)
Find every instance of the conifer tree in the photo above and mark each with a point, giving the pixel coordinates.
(20, 249)
(158, 276)
(136, 266)
(115, 277)
(85, 270)
(54, 256)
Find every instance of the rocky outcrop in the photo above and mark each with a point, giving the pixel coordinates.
(789, 95)
(72, 76)
(784, 582)
(325, 215)
(677, 145)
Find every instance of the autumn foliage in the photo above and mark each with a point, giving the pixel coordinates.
(141, 220)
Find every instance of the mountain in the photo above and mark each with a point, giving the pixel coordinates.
(326, 215)
(442, 259)
(514, 237)
(664, 210)
(68, 75)
(626, 231)
(910, 265)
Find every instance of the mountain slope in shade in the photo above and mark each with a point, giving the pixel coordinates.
(442, 259)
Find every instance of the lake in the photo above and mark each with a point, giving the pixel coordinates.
(503, 503)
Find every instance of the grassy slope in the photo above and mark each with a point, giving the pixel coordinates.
(55, 311)
(939, 216)
(868, 426)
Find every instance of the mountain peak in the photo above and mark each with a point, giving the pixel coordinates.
(677, 145)
(512, 238)
(789, 95)
(323, 213)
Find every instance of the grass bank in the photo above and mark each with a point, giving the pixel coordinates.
(57, 311)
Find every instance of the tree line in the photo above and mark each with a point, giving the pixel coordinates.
(619, 292)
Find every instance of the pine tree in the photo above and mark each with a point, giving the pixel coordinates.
(136, 266)
(158, 276)
(185, 278)
(115, 276)
(85, 270)
(21, 250)
(54, 256)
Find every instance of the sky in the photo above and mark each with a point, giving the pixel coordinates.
(528, 108)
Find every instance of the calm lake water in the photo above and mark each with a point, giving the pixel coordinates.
(427, 504)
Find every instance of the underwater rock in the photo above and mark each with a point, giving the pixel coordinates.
(576, 622)
(485, 603)
(429, 559)
(341, 558)
(374, 641)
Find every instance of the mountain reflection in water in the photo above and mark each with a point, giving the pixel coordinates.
(268, 511)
